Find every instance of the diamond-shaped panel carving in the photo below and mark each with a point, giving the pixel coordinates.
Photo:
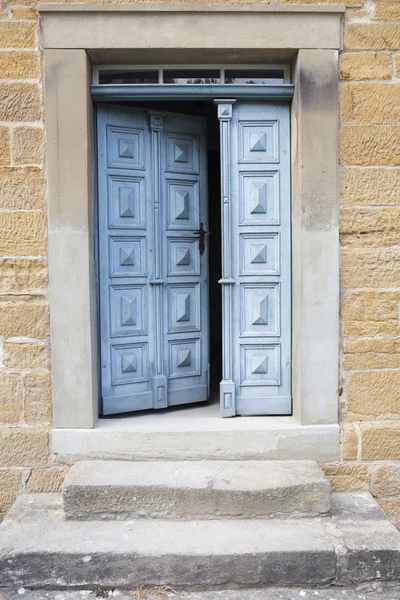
(258, 142)
(183, 204)
(128, 310)
(128, 256)
(184, 358)
(125, 147)
(183, 256)
(126, 202)
(260, 364)
(259, 198)
(182, 153)
(259, 253)
(183, 307)
(129, 363)
(260, 309)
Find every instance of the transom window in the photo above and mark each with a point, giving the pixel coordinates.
(186, 75)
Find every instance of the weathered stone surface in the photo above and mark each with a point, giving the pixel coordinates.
(23, 12)
(19, 65)
(397, 65)
(367, 226)
(370, 103)
(23, 446)
(25, 355)
(372, 360)
(17, 35)
(10, 483)
(11, 398)
(22, 233)
(37, 399)
(198, 489)
(345, 477)
(370, 267)
(22, 275)
(370, 145)
(373, 187)
(27, 145)
(4, 145)
(391, 507)
(20, 101)
(386, 481)
(349, 442)
(373, 395)
(46, 480)
(24, 319)
(372, 36)
(368, 65)
(21, 189)
(387, 9)
(368, 313)
(349, 3)
(380, 441)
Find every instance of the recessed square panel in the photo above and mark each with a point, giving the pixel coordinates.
(258, 142)
(125, 147)
(182, 153)
(126, 202)
(259, 254)
(259, 198)
(183, 256)
(260, 364)
(128, 304)
(129, 363)
(182, 204)
(128, 256)
(184, 358)
(260, 315)
(183, 307)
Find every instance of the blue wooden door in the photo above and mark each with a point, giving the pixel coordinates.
(153, 270)
(256, 278)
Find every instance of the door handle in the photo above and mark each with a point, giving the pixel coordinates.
(202, 234)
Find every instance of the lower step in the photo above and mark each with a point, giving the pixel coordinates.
(196, 489)
(38, 548)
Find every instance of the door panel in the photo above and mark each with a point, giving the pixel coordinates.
(257, 280)
(152, 193)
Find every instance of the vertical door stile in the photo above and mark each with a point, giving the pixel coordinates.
(159, 380)
(227, 386)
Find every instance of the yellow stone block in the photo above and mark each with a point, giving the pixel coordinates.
(385, 481)
(387, 9)
(21, 189)
(371, 360)
(23, 446)
(349, 3)
(347, 477)
(372, 36)
(370, 103)
(37, 399)
(370, 267)
(370, 226)
(397, 65)
(20, 102)
(391, 507)
(380, 441)
(365, 65)
(46, 480)
(27, 145)
(22, 275)
(349, 442)
(370, 145)
(17, 35)
(22, 234)
(24, 12)
(368, 313)
(4, 145)
(24, 319)
(10, 485)
(373, 187)
(11, 398)
(21, 355)
(19, 65)
(373, 395)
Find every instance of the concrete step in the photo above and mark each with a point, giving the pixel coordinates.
(97, 490)
(38, 548)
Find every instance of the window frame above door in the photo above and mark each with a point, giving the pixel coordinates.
(74, 38)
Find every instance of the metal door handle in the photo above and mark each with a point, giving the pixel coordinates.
(202, 234)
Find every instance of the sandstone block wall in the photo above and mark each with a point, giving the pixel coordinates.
(369, 384)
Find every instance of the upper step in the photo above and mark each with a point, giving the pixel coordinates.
(122, 490)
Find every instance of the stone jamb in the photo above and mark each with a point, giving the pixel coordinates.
(70, 34)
